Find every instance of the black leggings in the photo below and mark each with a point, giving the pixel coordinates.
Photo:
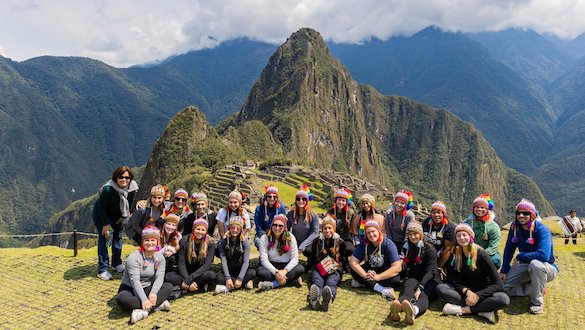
(492, 303)
(574, 236)
(291, 277)
(173, 278)
(128, 301)
(389, 282)
(207, 277)
(426, 296)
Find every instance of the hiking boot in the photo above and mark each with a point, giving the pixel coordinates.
(106, 276)
(452, 309)
(264, 285)
(314, 296)
(250, 285)
(220, 289)
(537, 309)
(490, 316)
(164, 307)
(408, 312)
(120, 268)
(356, 284)
(395, 310)
(327, 298)
(137, 315)
(388, 294)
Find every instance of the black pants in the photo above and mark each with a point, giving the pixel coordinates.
(173, 278)
(574, 236)
(207, 277)
(250, 274)
(389, 282)
(426, 296)
(492, 303)
(128, 301)
(291, 277)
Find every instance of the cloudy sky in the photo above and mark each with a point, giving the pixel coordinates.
(126, 32)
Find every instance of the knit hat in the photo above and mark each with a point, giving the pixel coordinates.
(281, 218)
(181, 193)
(344, 193)
(304, 191)
(270, 189)
(466, 228)
(150, 232)
(406, 197)
(157, 190)
(485, 200)
(200, 222)
(439, 205)
(368, 198)
(373, 224)
(171, 217)
(235, 195)
(416, 227)
(197, 197)
(167, 192)
(528, 206)
(328, 220)
(237, 221)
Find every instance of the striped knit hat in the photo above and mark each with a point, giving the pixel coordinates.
(439, 205)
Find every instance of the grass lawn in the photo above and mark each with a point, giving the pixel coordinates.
(47, 288)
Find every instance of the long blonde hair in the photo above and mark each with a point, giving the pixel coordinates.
(458, 257)
(200, 255)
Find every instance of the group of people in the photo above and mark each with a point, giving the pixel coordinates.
(383, 251)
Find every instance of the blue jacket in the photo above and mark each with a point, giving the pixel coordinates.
(263, 217)
(541, 250)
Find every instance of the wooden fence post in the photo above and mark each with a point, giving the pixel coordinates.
(75, 242)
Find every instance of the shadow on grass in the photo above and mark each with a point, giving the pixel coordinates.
(85, 271)
(517, 306)
(116, 313)
(580, 254)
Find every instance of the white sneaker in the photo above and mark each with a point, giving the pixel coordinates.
(137, 315)
(388, 294)
(164, 307)
(120, 268)
(451, 309)
(356, 284)
(106, 276)
(490, 316)
(221, 289)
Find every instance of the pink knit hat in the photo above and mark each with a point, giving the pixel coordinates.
(528, 206)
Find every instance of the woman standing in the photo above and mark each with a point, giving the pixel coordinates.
(279, 257)
(303, 221)
(149, 215)
(329, 259)
(342, 214)
(181, 208)
(487, 231)
(234, 208)
(440, 232)
(143, 288)
(234, 252)
(473, 285)
(420, 259)
(195, 256)
(398, 216)
(367, 212)
(109, 211)
(375, 263)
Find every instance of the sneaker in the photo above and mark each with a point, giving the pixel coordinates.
(490, 316)
(264, 285)
(137, 315)
(451, 309)
(395, 310)
(205, 287)
(537, 309)
(250, 285)
(327, 298)
(300, 282)
(220, 289)
(164, 307)
(388, 294)
(314, 296)
(120, 268)
(408, 312)
(356, 284)
(106, 276)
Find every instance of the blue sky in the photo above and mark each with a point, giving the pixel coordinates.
(127, 32)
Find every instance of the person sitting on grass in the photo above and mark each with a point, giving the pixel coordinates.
(265, 212)
(143, 288)
(195, 256)
(420, 260)
(328, 258)
(375, 262)
(279, 257)
(170, 239)
(472, 284)
(234, 252)
(534, 265)
(487, 231)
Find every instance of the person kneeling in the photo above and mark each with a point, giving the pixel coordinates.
(473, 285)
(279, 257)
(375, 262)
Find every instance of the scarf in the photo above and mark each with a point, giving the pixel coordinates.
(123, 193)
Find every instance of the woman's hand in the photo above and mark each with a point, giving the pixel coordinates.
(193, 287)
(152, 298)
(416, 294)
(106, 230)
(281, 276)
(472, 298)
(238, 284)
(147, 305)
(230, 284)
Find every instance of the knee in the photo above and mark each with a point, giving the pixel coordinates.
(536, 265)
(442, 289)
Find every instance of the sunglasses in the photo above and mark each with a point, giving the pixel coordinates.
(277, 226)
(301, 199)
(524, 213)
(180, 199)
(123, 178)
(271, 197)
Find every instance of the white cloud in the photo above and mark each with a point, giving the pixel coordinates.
(123, 33)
